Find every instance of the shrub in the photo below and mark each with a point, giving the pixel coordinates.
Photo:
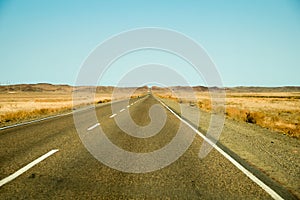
(250, 118)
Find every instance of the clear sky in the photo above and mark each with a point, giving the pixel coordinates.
(252, 43)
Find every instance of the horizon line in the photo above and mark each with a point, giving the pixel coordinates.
(149, 86)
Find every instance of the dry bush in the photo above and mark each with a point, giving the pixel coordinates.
(134, 96)
(103, 101)
(205, 104)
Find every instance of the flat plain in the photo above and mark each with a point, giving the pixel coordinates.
(275, 108)
(25, 102)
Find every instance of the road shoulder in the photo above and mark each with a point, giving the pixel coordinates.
(266, 153)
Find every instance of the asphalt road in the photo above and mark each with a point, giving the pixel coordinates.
(73, 173)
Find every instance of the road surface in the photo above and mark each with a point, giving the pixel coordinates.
(72, 172)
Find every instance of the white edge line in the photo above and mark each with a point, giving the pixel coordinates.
(94, 126)
(112, 115)
(269, 190)
(27, 167)
(36, 120)
(122, 110)
(128, 106)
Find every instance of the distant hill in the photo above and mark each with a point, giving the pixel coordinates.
(39, 87)
(264, 89)
(232, 89)
(46, 87)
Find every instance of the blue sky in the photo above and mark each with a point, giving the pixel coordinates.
(252, 43)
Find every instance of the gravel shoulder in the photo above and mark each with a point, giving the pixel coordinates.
(273, 154)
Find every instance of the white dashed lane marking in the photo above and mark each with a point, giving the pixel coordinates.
(113, 115)
(94, 126)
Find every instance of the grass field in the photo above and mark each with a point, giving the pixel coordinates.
(20, 106)
(19, 103)
(273, 109)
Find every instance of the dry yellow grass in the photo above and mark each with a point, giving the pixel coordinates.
(21, 106)
(26, 102)
(279, 111)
